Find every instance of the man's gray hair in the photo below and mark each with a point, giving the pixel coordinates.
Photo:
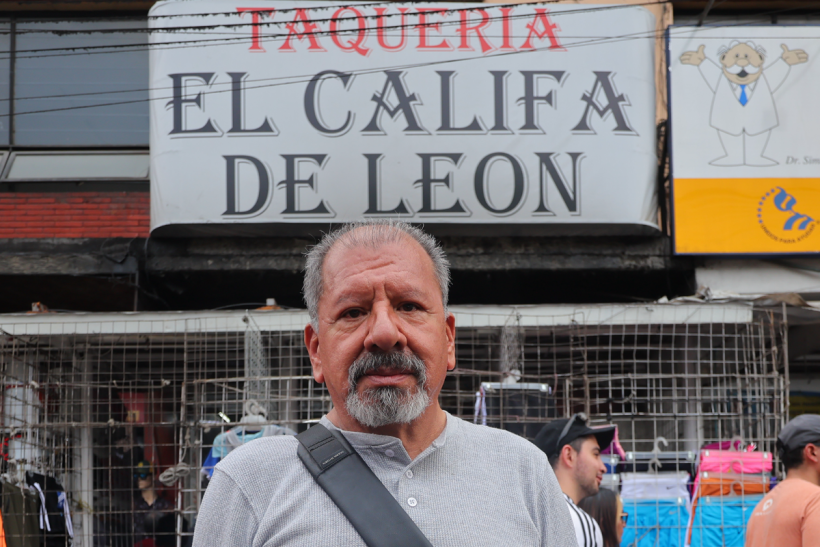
(759, 49)
(372, 234)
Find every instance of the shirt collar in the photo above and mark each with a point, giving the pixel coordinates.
(751, 86)
(360, 440)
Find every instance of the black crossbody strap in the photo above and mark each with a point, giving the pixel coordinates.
(356, 490)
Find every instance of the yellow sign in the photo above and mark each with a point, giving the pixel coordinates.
(746, 216)
(744, 148)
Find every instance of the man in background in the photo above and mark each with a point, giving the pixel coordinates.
(574, 452)
(789, 515)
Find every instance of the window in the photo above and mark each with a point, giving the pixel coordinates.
(70, 165)
(51, 81)
(5, 74)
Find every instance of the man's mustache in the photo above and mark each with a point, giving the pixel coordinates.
(734, 69)
(401, 362)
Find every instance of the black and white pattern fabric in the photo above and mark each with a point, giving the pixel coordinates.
(586, 529)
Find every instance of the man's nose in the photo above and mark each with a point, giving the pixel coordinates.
(742, 62)
(384, 332)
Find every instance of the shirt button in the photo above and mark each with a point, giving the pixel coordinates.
(409, 474)
(412, 502)
(389, 453)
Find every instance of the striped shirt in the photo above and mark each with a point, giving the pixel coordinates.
(586, 529)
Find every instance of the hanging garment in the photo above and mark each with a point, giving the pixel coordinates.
(653, 523)
(725, 484)
(667, 466)
(729, 461)
(725, 461)
(21, 512)
(62, 504)
(664, 484)
(708, 483)
(720, 521)
(611, 481)
(54, 517)
(224, 443)
(209, 463)
(480, 406)
(641, 462)
(615, 447)
(44, 523)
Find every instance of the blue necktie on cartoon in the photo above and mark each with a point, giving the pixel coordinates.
(743, 98)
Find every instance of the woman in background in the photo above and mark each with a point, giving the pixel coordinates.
(608, 510)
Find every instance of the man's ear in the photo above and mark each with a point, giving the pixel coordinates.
(312, 344)
(811, 453)
(450, 327)
(568, 456)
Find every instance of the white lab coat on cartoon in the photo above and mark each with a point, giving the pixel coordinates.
(759, 114)
(743, 108)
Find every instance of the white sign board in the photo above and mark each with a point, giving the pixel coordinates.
(274, 117)
(745, 154)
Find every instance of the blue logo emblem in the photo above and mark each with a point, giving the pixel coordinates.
(777, 215)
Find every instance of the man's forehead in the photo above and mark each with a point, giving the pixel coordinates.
(407, 255)
(373, 236)
(742, 48)
(357, 292)
(353, 240)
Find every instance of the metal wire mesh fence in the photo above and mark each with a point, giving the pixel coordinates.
(118, 420)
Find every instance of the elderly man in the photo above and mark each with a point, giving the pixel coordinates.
(380, 338)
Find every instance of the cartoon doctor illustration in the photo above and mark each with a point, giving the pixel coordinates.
(743, 108)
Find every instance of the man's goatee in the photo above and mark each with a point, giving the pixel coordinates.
(387, 405)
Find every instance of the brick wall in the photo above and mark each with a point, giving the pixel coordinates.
(74, 214)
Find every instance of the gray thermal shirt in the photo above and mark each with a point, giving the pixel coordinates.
(474, 485)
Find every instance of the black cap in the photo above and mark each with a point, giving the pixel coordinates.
(557, 431)
(801, 431)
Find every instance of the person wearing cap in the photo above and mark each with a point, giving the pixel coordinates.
(574, 452)
(149, 507)
(789, 515)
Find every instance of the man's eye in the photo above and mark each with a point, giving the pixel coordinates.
(353, 314)
(408, 306)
